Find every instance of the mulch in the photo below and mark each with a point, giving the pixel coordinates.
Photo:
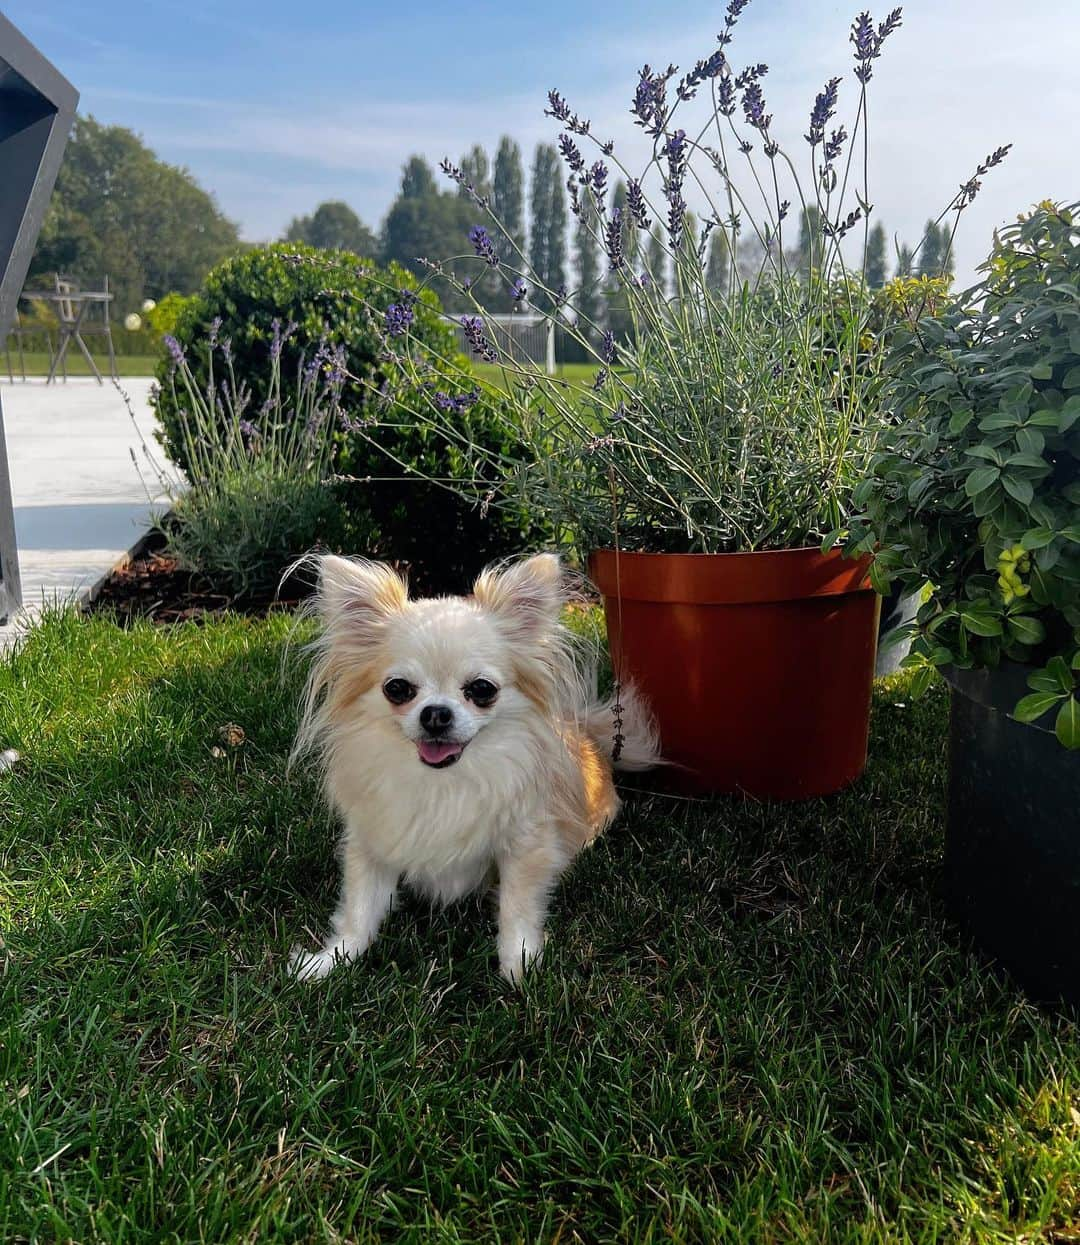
(154, 586)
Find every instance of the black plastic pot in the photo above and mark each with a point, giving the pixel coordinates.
(1012, 846)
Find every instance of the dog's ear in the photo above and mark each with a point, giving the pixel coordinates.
(526, 596)
(356, 596)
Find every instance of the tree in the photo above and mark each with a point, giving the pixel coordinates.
(334, 226)
(475, 167)
(718, 269)
(905, 261)
(876, 269)
(656, 260)
(508, 198)
(119, 211)
(930, 253)
(589, 300)
(810, 239)
(427, 223)
(547, 239)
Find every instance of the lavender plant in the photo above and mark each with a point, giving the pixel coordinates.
(258, 495)
(737, 413)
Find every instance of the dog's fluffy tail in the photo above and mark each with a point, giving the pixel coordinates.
(640, 738)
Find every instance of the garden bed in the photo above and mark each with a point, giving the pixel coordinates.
(752, 1024)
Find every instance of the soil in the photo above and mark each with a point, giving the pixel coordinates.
(152, 585)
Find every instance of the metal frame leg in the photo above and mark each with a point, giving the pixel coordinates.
(10, 582)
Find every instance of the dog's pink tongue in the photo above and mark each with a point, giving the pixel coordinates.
(433, 752)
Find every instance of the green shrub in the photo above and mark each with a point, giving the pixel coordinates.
(330, 307)
(977, 489)
(259, 496)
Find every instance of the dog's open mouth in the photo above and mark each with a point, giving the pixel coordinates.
(438, 753)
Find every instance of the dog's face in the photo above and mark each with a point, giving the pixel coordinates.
(447, 674)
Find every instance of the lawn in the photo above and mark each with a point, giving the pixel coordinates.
(753, 1023)
(37, 364)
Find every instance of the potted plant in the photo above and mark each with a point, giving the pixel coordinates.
(704, 467)
(978, 492)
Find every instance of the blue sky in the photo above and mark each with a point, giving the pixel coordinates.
(274, 107)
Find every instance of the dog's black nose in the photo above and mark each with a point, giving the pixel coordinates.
(436, 719)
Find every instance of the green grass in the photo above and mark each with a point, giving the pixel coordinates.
(37, 364)
(578, 373)
(753, 1023)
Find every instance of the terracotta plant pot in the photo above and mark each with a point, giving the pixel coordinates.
(758, 666)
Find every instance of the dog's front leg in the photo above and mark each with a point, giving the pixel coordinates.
(527, 876)
(367, 892)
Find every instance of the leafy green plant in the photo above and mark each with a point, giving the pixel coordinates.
(978, 489)
(259, 495)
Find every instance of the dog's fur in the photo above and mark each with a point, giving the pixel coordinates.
(530, 785)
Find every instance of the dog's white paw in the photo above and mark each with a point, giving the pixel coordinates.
(312, 966)
(514, 964)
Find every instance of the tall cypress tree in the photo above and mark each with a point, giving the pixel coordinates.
(810, 239)
(508, 196)
(589, 300)
(905, 261)
(656, 257)
(930, 255)
(876, 262)
(477, 171)
(718, 269)
(417, 179)
(547, 237)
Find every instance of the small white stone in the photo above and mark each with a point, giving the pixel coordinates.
(8, 758)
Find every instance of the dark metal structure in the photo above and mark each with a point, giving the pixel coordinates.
(37, 108)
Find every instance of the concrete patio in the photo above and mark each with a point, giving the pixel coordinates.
(80, 501)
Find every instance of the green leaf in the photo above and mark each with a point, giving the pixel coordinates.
(1076, 660)
(1001, 419)
(1024, 459)
(985, 451)
(980, 480)
(1019, 489)
(1041, 371)
(1040, 681)
(1072, 532)
(921, 681)
(980, 622)
(879, 578)
(1024, 629)
(1058, 667)
(1072, 379)
(959, 420)
(1043, 419)
(1067, 726)
(1037, 537)
(1030, 440)
(1032, 707)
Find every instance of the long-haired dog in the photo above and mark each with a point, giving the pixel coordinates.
(458, 747)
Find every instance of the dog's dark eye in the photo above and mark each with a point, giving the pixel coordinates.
(398, 691)
(481, 692)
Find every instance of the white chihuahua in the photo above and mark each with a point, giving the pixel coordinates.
(458, 745)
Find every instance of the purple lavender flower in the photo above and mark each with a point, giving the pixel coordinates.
(970, 188)
(457, 404)
(675, 151)
(750, 74)
(276, 341)
(835, 145)
(650, 100)
(725, 96)
(783, 210)
(868, 41)
(597, 176)
(519, 291)
(676, 218)
(483, 245)
(734, 8)
(613, 240)
(753, 103)
(247, 431)
(704, 70)
(478, 343)
(635, 202)
(824, 107)
(215, 329)
(745, 147)
(601, 379)
(841, 227)
(608, 147)
(226, 350)
(607, 347)
(398, 318)
(560, 110)
(568, 149)
(176, 351)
